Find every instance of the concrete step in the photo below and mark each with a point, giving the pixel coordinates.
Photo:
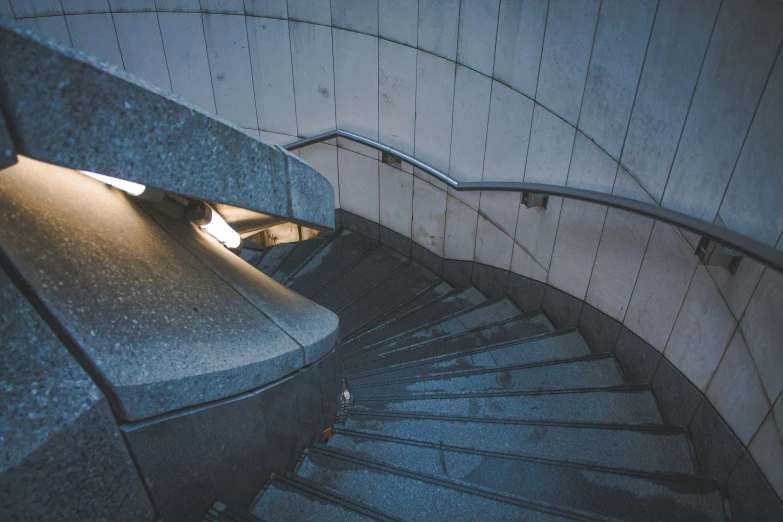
(595, 371)
(434, 292)
(272, 257)
(417, 496)
(543, 348)
(294, 498)
(598, 490)
(298, 255)
(380, 299)
(429, 315)
(345, 249)
(666, 448)
(379, 263)
(457, 339)
(629, 404)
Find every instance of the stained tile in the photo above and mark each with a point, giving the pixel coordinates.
(736, 390)
(434, 104)
(520, 38)
(493, 247)
(551, 143)
(522, 263)
(396, 199)
(186, 56)
(536, 229)
(311, 51)
(461, 225)
(478, 23)
(397, 95)
(398, 21)
(358, 184)
(273, 80)
(568, 40)
(739, 59)
(663, 279)
(429, 214)
(677, 46)
(356, 82)
(438, 26)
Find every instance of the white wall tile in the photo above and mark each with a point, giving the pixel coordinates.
(469, 130)
(186, 56)
(766, 448)
(94, 34)
(356, 15)
(276, 138)
(666, 272)
(736, 391)
(510, 114)
(142, 48)
(267, 8)
(461, 225)
(576, 246)
(478, 24)
(763, 330)
(502, 208)
(311, 51)
(677, 46)
(536, 229)
(493, 247)
(398, 20)
(356, 82)
(229, 63)
(741, 53)
(569, 37)
(523, 264)
(323, 158)
(313, 11)
(429, 216)
(396, 199)
(358, 184)
(235, 7)
(620, 252)
(132, 6)
(5, 9)
(33, 8)
(52, 26)
(438, 27)
(520, 38)
(753, 205)
(85, 6)
(618, 53)
(551, 143)
(702, 330)
(397, 95)
(273, 82)
(591, 168)
(434, 104)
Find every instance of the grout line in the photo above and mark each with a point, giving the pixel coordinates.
(252, 76)
(65, 21)
(293, 80)
(119, 46)
(209, 64)
(165, 59)
(690, 104)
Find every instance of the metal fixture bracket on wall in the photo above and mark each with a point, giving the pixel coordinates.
(726, 237)
(713, 253)
(532, 200)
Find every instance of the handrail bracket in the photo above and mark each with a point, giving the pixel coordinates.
(712, 253)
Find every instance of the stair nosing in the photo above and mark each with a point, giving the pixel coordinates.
(483, 371)
(456, 485)
(347, 269)
(684, 478)
(307, 260)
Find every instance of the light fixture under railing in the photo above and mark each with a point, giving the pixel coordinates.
(208, 219)
(134, 189)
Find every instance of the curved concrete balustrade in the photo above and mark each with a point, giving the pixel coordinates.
(68, 109)
(166, 320)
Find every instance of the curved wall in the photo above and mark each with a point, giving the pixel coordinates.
(676, 102)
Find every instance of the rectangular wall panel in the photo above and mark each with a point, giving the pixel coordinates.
(323, 158)
(591, 168)
(520, 39)
(311, 53)
(85, 6)
(356, 82)
(36, 8)
(429, 212)
(358, 184)
(95, 35)
(356, 15)
(398, 21)
(51, 26)
(438, 27)
(493, 247)
(142, 48)
(461, 225)
(397, 95)
(434, 104)
(551, 143)
(396, 199)
(478, 23)
(313, 11)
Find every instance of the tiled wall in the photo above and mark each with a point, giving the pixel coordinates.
(677, 102)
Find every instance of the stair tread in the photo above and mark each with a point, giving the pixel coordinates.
(273, 256)
(548, 348)
(343, 250)
(298, 255)
(665, 452)
(590, 373)
(602, 491)
(412, 496)
(391, 292)
(381, 262)
(601, 406)
(430, 314)
(457, 339)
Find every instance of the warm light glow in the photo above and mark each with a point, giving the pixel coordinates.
(221, 231)
(134, 189)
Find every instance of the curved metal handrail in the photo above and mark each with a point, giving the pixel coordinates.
(761, 252)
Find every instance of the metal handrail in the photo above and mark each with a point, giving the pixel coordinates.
(761, 252)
